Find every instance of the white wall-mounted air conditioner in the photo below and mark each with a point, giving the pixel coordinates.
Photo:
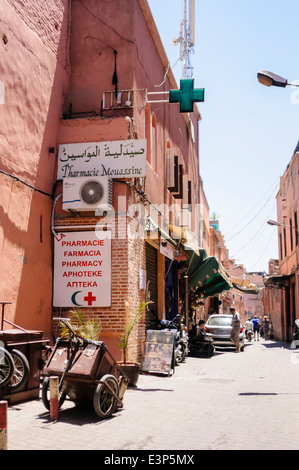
(87, 194)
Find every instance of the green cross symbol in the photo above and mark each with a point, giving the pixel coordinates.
(186, 95)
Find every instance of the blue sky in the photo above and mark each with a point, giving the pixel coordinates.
(248, 132)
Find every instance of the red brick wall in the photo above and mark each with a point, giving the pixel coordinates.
(128, 256)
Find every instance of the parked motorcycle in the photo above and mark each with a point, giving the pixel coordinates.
(295, 342)
(249, 335)
(200, 344)
(181, 337)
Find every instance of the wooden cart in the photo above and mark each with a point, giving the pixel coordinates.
(20, 361)
(87, 373)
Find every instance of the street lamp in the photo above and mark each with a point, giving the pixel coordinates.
(273, 222)
(271, 79)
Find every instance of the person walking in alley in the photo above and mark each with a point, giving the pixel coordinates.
(248, 326)
(266, 327)
(256, 328)
(236, 325)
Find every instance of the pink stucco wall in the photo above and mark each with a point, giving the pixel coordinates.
(33, 68)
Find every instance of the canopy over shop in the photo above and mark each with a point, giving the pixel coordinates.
(206, 275)
(245, 286)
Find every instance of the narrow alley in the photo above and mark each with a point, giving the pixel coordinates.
(245, 401)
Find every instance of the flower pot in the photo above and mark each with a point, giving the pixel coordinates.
(131, 369)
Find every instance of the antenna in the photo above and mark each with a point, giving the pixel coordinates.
(186, 39)
(192, 21)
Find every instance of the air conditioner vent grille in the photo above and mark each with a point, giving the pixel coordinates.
(92, 192)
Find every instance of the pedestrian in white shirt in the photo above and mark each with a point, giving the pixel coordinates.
(236, 325)
(248, 326)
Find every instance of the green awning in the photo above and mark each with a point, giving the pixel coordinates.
(195, 256)
(207, 275)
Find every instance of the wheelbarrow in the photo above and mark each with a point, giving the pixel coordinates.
(87, 373)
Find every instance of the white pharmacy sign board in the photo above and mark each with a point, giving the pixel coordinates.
(82, 269)
(115, 159)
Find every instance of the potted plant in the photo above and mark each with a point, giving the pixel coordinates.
(88, 329)
(131, 369)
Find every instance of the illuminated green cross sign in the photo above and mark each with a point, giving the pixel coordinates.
(186, 95)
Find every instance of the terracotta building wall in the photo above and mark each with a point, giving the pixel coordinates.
(288, 242)
(47, 74)
(273, 306)
(33, 49)
(287, 206)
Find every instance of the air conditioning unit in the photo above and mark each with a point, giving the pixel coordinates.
(87, 194)
(172, 172)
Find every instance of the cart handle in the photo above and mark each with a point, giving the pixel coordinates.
(66, 322)
(4, 302)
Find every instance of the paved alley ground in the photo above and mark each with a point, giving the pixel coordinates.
(231, 401)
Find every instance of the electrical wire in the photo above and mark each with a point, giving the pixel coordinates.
(262, 226)
(26, 184)
(164, 79)
(258, 234)
(240, 231)
(253, 208)
(263, 252)
(116, 32)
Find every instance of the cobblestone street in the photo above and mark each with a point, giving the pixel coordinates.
(230, 401)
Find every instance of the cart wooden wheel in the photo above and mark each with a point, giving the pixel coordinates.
(21, 369)
(6, 367)
(46, 394)
(105, 396)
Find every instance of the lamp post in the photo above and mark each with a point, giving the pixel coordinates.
(272, 79)
(278, 224)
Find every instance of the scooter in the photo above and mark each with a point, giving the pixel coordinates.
(249, 335)
(181, 337)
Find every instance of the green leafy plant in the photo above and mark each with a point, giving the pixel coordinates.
(88, 329)
(124, 338)
(214, 216)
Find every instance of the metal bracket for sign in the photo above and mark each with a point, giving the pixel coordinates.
(185, 96)
(158, 93)
(124, 99)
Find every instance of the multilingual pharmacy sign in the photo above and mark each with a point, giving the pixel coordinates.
(82, 269)
(116, 159)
